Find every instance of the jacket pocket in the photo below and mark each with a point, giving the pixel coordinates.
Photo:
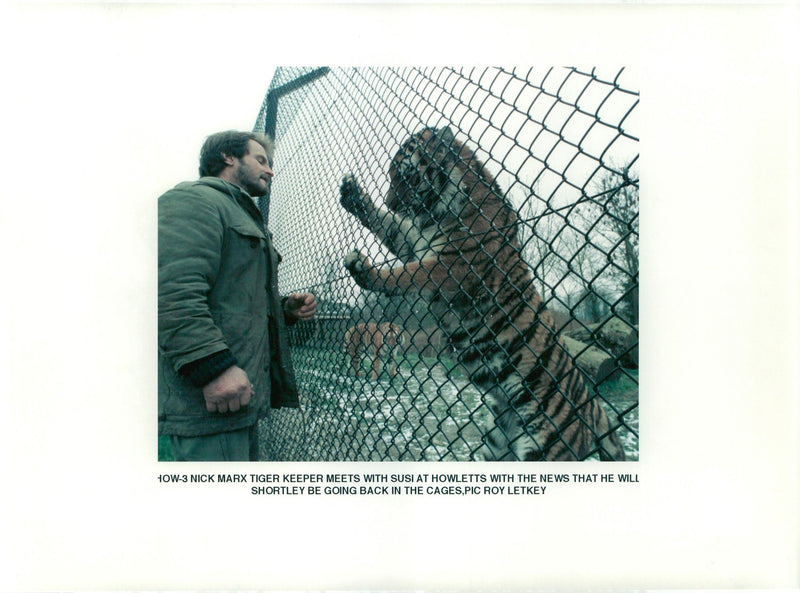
(243, 266)
(250, 235)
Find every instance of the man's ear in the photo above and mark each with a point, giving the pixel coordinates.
(228, 159)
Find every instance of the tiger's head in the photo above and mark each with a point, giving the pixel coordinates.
(392, 334)
(435, 176)
(424, 176)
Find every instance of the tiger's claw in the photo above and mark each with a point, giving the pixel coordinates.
(357, 264)
(352, 198)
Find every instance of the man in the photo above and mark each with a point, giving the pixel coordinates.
(223, 349)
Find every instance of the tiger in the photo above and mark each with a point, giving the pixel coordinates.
(380, 340)
(454, 234)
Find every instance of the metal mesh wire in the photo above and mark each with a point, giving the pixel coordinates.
(561, 144)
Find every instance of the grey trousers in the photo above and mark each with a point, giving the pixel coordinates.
(237, 445)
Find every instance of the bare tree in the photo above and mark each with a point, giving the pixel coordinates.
(611, 220)
(540, 235)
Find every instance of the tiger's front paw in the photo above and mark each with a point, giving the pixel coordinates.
(352, 198)
(358, 265)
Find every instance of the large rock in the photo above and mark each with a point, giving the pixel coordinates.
(596, 364)
(618, 337)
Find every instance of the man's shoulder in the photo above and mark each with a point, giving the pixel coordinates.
(205, 196)
(209, 187)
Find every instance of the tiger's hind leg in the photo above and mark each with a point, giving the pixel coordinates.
(391, 363)
(507, 437)
(611, 448)
(355, 357)
(376, 360)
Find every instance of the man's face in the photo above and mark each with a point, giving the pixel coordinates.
(252, 172)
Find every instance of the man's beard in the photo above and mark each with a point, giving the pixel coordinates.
(252, 186)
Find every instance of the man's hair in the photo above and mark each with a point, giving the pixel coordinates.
(230, 143)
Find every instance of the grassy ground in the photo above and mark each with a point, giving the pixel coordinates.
(624, 386)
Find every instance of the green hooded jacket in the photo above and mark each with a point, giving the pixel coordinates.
(218, 304)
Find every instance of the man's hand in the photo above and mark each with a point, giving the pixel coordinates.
(301, 306)
(228, 392)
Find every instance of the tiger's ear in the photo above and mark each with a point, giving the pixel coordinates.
(441, 143)
(445, 135)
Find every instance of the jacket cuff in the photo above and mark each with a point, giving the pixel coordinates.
(287, 319)
(201, 372)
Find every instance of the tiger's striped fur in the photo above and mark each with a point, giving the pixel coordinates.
(453, 231)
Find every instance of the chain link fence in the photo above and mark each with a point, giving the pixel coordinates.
(561, 144)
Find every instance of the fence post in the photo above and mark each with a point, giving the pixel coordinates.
(271, 117)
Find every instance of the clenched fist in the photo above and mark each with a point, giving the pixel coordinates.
(228, 392)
